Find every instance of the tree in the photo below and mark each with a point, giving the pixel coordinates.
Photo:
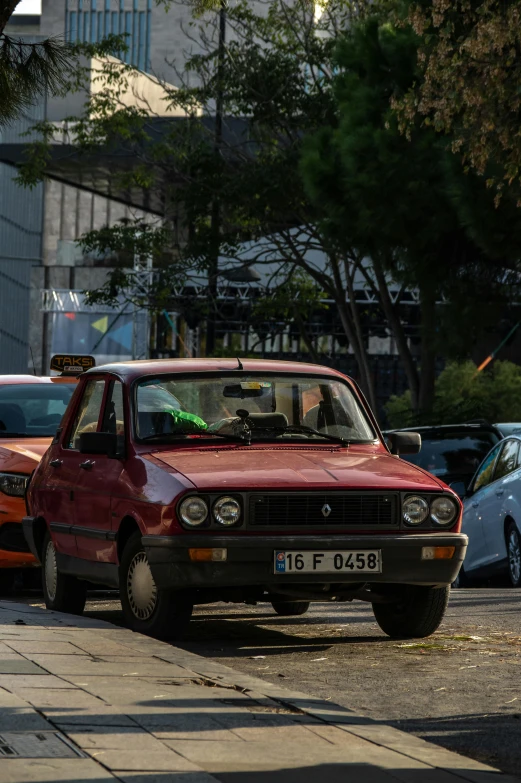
(471, 82)
(404, 202)
(28, 70)
(273, 85)
(463, 394)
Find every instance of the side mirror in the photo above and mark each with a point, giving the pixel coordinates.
(404, 442)
(99, 443)
(459, 488)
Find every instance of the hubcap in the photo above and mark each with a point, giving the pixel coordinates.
(141, 588)
(51, 571)
(514, 556)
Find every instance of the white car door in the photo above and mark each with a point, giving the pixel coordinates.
(507, 488)
(476, 507)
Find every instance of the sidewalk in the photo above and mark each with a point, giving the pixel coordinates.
(83, 700)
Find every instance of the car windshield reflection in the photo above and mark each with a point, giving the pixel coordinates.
(33, 410)
(250, 407)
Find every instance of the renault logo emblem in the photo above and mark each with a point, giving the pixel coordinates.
(326, 510)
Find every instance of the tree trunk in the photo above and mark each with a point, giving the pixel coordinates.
(357, 325)
(428, 352)
(305, 336)
(8, 6)
(399, 335)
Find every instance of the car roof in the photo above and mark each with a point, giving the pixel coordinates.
(11, 380)
(129, 371)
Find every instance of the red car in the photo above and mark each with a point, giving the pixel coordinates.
(189, 481)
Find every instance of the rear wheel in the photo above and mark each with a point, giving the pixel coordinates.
(148, 609)
(417, 612)
(514, 555)
(62, 592)
(290, 608)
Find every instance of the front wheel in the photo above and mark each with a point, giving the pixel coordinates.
(514, 555)
(148, 609)
(417, 612)
(62, 592)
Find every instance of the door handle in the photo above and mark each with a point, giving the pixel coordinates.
(475, 504)
(88, 464)
(56, 463)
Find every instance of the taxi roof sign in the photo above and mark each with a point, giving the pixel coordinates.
(72, 364)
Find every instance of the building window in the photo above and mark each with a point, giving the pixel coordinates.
(90, 21)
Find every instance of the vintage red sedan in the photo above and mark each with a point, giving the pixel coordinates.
(183, 482)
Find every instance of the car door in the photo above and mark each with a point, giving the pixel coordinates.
(58, 492)
(476, 506)
(506, 485)
(98, 476)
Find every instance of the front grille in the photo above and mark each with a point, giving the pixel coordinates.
(299, 509)
(12, 538)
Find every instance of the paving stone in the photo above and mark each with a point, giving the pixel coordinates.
(17, 664)
(417, 748)
(165, 777)
(143, 761)
(113, 738)
(67, 698)
(196, 727)
(51, 647)
(101, 647)
(13, 682)
(52, 771)
(103, 716)
(80, 664)
(271, 757)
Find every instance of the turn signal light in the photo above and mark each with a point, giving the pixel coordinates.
(438, 552)
(208, 555)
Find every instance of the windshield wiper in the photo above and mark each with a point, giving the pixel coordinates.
(310, 431)
(182, 436)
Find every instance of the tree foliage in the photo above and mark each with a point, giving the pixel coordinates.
(406, 202)
(28, 70)
(463, 394)
(470, 85)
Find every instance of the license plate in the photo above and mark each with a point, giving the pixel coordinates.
(351, 562)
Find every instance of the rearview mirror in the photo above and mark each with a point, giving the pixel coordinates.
(99, 443)
(404, 442)
(243, 391)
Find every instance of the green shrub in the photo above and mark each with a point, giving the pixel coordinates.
(463, 394)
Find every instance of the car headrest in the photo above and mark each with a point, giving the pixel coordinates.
(258, 421)
(11, 418)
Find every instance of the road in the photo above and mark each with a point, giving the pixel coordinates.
(460, 688)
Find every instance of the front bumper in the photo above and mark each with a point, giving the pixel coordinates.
(14, 551)
(250, 560)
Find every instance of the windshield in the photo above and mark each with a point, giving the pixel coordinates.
(253, 405)
(452, 453)
(33, 410)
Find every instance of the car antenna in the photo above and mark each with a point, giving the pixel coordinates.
(32, 359)
(240, 367)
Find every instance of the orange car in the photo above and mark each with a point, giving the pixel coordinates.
(31, 409)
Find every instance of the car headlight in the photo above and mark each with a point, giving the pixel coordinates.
(13, 484)
(193, 511)
(227, 511)
(415, 510)
(444, 510)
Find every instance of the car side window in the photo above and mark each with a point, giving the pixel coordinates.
(88, 414)
(508, 459)
(114, 415)
(486, 471)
